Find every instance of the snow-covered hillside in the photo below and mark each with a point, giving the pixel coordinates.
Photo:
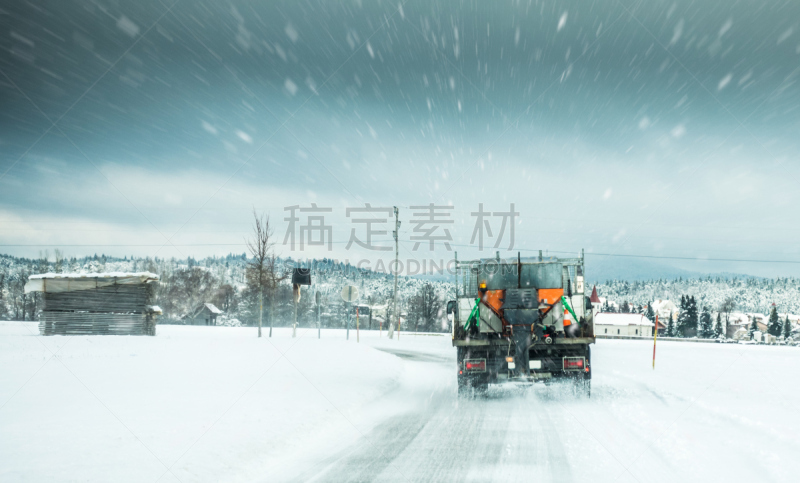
(749, 294)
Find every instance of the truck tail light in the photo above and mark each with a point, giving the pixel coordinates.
(509, 359)
(574, 363)
(475, 365)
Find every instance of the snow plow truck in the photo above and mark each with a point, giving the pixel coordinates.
(521, 320)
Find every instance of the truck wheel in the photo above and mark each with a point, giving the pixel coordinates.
(463, 387)
(471, 388)
(584, 386)
(581, 386)
(481, 388)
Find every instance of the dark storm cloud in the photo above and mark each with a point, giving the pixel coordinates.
(218, 61)
(694, 103)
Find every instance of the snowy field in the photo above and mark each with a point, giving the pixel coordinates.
(218, 404)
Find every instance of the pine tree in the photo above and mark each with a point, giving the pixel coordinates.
(787, 328)
(706, 330)
(774, 327)
(681, 317)
(692, 319)
(753, 327)
(649, 313)
(672, 330)
(688, 318)
(718, 326)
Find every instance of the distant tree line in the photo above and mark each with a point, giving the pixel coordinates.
(749, 294)
(228, 283)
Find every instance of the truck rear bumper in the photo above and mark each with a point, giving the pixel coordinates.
(504, 342)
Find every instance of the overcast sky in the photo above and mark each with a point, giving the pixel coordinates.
(648, 128)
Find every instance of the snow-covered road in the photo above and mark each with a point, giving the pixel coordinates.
(217, 404)
(707, 413)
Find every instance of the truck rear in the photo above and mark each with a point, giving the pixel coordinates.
(525, 319)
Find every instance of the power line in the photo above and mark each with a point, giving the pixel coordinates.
(666, 257)
(620, 255)
(660, 257)
(128, 245)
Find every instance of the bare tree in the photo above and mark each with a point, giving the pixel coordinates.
(19, 299)
(260, 247)
(187, 288)
(43, 262)
(264, 271)
(426, 307)
(276, 273)
(225, 297)
(58, 266)
(727, 307)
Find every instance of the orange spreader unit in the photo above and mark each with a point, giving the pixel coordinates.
(547, 296)
(494, 300)
(550, 296)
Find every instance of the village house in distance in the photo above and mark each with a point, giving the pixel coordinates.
(204, 314)
(613, 319)
(623, 324)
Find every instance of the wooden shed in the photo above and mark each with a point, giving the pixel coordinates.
(117, 303)
(204, 314)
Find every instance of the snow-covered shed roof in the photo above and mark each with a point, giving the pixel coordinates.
(605, 318)
(84, 275)
(213, 309)
(70, 282)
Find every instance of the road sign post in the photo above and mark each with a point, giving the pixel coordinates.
(319, 326)
(349, 295)
(358, 338)
(655, 337)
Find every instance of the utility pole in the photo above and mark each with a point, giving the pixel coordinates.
(455, 257)
(396, 234)
(399, 319)
(271, 310)
(294, 322)
(260, 309)
(369, 301)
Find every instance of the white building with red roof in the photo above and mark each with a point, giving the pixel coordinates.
(622, 324)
